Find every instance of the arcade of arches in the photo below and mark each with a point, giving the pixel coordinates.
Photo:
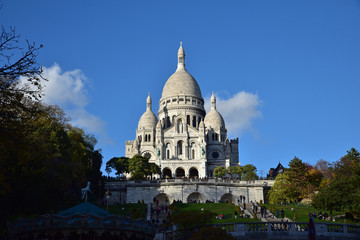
(180, 173)
(196, 197)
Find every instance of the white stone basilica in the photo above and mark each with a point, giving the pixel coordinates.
(184, 141)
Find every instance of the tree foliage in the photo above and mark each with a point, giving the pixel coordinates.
(299, 181)
(138, 166)
(219, 172)
(249, 172)
(44, 161)
(342, 191)
(297, 176)
(279, 192)
(120, 165)
(246, 172)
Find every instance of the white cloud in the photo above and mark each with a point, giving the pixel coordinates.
(67, 88)
(69, 91)
(238, 111)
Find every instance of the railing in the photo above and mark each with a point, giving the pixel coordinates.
(293, 230)
(188, 180)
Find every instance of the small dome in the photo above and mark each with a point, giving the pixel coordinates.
(148, 120)
(213, 118)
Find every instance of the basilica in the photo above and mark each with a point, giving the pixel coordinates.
(183, 139)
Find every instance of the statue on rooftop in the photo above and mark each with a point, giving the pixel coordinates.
(85, 190)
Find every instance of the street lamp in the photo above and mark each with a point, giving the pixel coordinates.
(107, 194)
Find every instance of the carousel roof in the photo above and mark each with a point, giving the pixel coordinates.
(84, 209)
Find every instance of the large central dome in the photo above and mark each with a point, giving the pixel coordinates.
(181, 82)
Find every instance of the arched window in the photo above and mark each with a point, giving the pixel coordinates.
(180, 126)
(180, 148)
(168, 151)
(192, 151)
(188, 120)
(145, 137)
(167, 124)
(194, 121)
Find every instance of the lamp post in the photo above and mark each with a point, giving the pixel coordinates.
(107, 194)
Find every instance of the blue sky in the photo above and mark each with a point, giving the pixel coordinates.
(286, 73)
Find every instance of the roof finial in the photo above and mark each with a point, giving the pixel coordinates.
(181, 57)
(148, 102)
(213, 102)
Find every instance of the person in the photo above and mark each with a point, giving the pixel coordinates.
(282, 213)
(277, 213)
(235, 214)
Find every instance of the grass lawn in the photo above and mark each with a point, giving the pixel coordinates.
(302, 212)
(216, 208)
(134, 210)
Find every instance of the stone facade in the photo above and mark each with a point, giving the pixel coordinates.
(189, 190)
(183, 140)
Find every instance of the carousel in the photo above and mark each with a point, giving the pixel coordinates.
(83, 221)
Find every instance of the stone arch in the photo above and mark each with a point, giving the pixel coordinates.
(167, 173)
(195, 197)
(163, 198)
(180, 172)
(227, 197)
(193, 173)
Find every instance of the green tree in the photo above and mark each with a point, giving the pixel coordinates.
(54, 160)
(120, 165)
(279, 192)
(219, 172)
(342, 192)
(298, 177)
(235, 170)
(140, 168)
(249, 172)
